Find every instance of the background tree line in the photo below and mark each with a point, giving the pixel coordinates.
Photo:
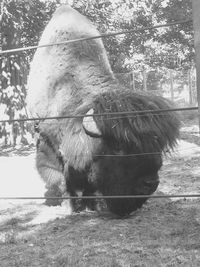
(145, 54)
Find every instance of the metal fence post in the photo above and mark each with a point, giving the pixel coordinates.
(196, 25)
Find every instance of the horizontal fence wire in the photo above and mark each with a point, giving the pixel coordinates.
(98, 36)
(105, 197)
(167, 153)
(142, 154)
(114, 118)
(136, 113)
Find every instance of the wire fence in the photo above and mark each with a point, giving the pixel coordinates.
(167, 153)
(105, 197)
(129, 113)
(95, 37)
(12, 77)
(120, 115)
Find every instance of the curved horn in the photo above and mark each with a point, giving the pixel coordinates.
(90, 125)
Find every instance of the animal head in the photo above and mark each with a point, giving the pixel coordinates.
(121, 147)
(141, 132)
(130, 153)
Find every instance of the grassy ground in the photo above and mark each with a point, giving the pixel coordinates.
(163, 233)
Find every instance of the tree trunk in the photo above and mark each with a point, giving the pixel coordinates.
(190, 87)
(132, 80)
(171, 85)
(144, 80)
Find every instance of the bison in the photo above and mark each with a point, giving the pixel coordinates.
(113, 154)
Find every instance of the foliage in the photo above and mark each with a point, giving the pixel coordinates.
(22, 23)
(141, 51)
(177, 41)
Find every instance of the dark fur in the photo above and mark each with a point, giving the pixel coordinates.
(70, 79)
(122, 135)
(141, 133)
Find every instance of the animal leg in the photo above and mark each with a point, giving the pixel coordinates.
(50, 169)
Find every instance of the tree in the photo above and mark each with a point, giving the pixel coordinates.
(22, 23)
(177, 41)
(141, 51)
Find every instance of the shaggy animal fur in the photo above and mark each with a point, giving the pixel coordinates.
(50, 166)
(67, 74)
(73, 78)
(147, 132)
(146, 135)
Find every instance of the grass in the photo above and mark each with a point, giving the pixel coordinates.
(164, 233)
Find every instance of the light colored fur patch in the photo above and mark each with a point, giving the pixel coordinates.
(52, 176)
(61, 73)
(77, 147)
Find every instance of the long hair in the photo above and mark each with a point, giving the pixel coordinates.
(147, 132)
